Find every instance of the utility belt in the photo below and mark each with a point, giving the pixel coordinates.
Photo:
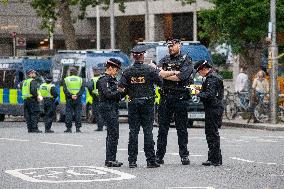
(141, 98)
(178, 94)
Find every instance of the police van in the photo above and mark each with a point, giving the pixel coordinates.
(83, 61)
(194, 49)
(12, 73)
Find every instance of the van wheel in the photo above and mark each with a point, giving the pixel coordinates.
(89, 114)
(2, 117)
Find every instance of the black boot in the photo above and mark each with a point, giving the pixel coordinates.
(153, 164)
(209, 163)
(185, 161)
(68, 131)
(78, 130)
(160, 161)
(49, 131)
(113, 164)
(132, 164)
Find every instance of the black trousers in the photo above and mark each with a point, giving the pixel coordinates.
(49, 112)
(110, 114)
(97, 113)
(73, 108)
(213, 121)
(168, 108)
(141, 113)
(31, 113)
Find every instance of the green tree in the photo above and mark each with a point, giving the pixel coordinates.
(243, 24)
(53, 9)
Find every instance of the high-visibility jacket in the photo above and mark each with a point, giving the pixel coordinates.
(95, 90)
(26, 88)
(73, 84)
(45, 90)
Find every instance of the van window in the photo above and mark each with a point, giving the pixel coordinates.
(66, 72)
(7, 78)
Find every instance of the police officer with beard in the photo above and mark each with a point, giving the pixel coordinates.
(177, 69)
(212, 94)
(138, 81)
(31, 101)
(49, 94)
(109, 97)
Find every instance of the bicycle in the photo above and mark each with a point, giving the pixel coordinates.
(236, 103)
(261, 111)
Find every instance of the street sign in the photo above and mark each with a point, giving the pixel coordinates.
(20, 41)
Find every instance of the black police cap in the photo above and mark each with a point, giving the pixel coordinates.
(139, 49)
(48, 78)
(202, 64)
(30, 71)
(114, 62)
(172, 41)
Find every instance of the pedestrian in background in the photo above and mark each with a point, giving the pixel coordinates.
(260, 85)
(109, 97)
(48, 92)
(139, 82)
(31, 101)
(92, 87)
(73, 88)
(176, 73)
(242, 82)
(211, 95)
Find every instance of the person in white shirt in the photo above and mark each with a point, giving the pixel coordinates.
(242, 81)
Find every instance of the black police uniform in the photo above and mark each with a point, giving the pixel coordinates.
(32, 109)
(109, 100)
(212, 94)
(174, 102)
(49, 106)
(96, 107)
(73, 107)
(138, 81)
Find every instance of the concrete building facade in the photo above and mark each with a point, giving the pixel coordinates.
(162, 19)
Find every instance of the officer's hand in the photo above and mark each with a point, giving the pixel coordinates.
(74, 97)
(39, 98)
(120, 89)
(197, 91)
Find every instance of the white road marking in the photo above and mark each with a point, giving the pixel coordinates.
(13, 139)
(249, 161)
(62, 144)
(239, 159)
(191, 187)
(113, 176)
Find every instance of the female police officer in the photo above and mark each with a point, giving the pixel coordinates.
(212, 94)
(109, 97)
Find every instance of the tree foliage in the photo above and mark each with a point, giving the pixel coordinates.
(54, 9)
(242, 24)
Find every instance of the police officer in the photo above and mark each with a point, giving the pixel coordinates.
(138, 81)
(49, 94)
(212, 94)
(31, 102)
(73, 88)
(109, 97)
(177, 69)
(92, 87)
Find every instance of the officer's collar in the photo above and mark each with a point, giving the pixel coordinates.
(175, 55)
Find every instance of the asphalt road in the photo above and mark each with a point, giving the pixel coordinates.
(251, 159)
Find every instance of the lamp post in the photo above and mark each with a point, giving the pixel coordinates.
(112, 25)
(274, 67)
(51, 30)
(98, 27)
